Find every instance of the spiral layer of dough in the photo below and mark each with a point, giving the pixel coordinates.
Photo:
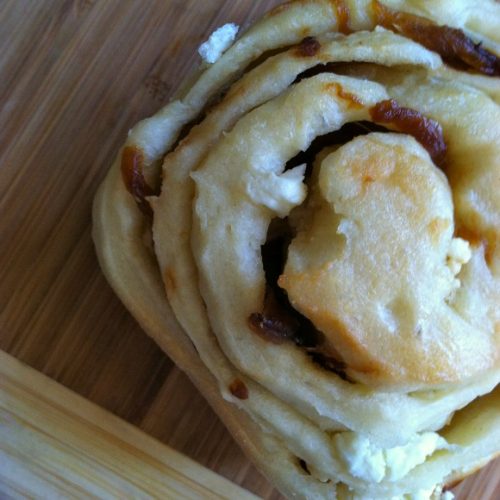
(362, 359)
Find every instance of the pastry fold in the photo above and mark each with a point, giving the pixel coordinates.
(310, 231)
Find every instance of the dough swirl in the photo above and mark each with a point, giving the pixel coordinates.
(322, 255)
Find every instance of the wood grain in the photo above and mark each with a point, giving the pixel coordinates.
(55, 443)
(75, 75)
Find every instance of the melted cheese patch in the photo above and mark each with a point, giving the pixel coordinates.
(377, 280)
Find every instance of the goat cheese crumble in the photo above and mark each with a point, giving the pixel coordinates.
(368, 462)
(218, 42)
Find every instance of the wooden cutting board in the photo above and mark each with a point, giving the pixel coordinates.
(75, 75)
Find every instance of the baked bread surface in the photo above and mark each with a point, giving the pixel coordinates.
(366, 366)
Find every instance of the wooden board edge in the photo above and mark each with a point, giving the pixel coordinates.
(54, 442)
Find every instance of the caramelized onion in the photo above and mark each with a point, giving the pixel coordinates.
(133, 177)
(308, 47)
(426, 131)
(238, 389)
(452, 44)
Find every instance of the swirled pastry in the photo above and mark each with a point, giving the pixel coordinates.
(320, 252)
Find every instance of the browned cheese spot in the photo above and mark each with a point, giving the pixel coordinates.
(341, 11)
(336, 89)
(367, 179)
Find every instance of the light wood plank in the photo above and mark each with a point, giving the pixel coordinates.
(55, 443)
